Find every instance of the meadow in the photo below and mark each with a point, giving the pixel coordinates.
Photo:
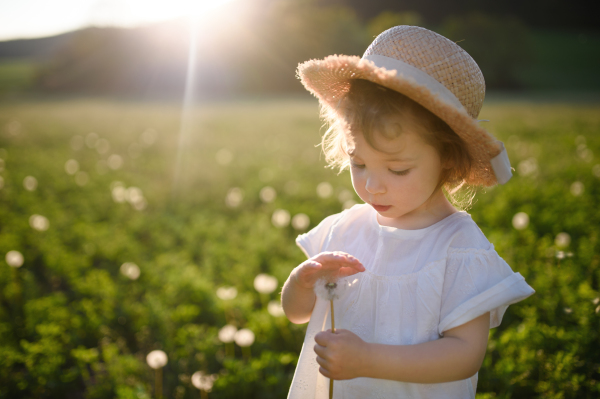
(140, 233)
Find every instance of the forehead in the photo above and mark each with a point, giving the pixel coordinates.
(404, 147)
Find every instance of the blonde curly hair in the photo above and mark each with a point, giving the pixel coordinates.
(369, 109)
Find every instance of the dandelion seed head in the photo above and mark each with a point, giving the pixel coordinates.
(324, 190)
(157, 359)
(226, 333)
(39, 222)
(300, 221)
(275, 309)
(82, 178)
(130, 270)
(268, 194)
(244, 337)
(30, 183)
(71, 166)
(234, 197)
(280, 218)
(265, 284)
(577, 188)
(202, 381)
(330, 287)
(520, 221)
(345, 195)
(14, 258)
(227, 293)
(528, 167)
(115, 162)
(562, 239)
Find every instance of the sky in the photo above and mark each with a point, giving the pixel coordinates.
(21, 19)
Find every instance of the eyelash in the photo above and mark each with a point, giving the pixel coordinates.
(396, 172)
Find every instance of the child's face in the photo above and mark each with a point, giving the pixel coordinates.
(398, 182)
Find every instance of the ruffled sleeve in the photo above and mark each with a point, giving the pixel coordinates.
(478, 281)
(315, 240)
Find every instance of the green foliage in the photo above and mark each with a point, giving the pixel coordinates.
(16, 75)
(499, 45)
(389, 19)
(73, 325)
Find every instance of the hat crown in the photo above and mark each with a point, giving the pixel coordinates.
(437, 56)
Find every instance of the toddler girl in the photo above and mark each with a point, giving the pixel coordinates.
(423, 284)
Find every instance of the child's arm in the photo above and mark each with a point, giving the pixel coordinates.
(298, 297)
(456, 356)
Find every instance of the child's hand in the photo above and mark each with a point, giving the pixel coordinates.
(338, 264)
(340, 355)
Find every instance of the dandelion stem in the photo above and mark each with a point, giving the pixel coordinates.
(332, 318)
(158, 383)
(333, 331)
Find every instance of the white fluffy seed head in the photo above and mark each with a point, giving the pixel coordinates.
(203, 381)
(265, 284)
(244, 337)
(157, 359)
(227, 293)
(330, 288)
(226, 333)
(14, 258)
(275, 309)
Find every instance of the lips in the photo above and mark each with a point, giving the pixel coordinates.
(381, 208)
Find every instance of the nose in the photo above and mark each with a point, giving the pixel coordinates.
(374, 184)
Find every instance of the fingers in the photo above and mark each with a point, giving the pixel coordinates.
(339, 260)
(324, 372)
(320, 350)
(323, 338)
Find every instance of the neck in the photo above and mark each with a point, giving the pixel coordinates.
(435, 209)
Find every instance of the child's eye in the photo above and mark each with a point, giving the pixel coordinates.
(357, 166)
(400, 172)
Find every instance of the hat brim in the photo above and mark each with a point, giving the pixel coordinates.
(329, 80)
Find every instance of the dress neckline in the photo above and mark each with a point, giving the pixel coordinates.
(402, 233)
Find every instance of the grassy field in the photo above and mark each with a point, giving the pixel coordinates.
(90, 185)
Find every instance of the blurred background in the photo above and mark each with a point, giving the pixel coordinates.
(158, 159)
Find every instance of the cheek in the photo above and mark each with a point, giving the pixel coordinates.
(358, 183)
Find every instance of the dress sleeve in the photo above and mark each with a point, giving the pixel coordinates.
(476, 282)
(314, 241)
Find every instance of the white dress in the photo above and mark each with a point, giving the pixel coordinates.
(417, 284)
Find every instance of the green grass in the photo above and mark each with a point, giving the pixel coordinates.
(16, 75)
(72, 324)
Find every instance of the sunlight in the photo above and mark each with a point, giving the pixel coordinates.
(156, 10)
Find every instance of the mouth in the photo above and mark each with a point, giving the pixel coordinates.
(381, 208)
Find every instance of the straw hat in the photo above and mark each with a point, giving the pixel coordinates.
(431, 70)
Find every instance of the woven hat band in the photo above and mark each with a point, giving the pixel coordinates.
(421, 78)
(501, 166)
